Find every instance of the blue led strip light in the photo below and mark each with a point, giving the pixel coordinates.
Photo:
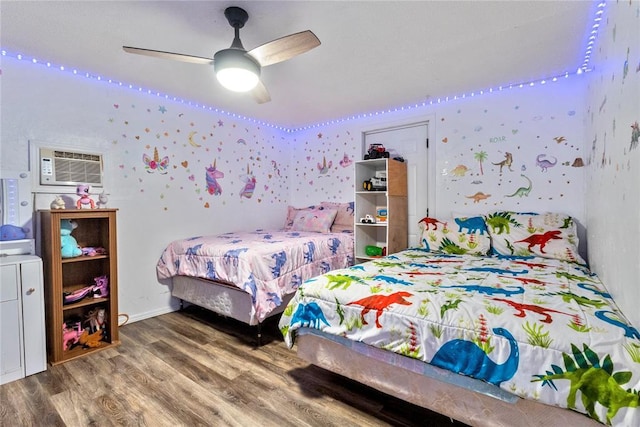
(584, 67)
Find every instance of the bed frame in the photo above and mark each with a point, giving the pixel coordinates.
(464, 399)
(222, 298)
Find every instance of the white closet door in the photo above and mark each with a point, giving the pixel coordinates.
(409, 142)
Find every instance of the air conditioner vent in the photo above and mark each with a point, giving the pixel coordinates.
(70, 168)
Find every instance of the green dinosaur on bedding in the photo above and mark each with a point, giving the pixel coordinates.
(341, 280)
(448, 247)
(595, 380)
(500, 222)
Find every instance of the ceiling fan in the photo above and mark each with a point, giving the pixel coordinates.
(238, 69)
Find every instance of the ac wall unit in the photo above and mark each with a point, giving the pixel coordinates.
(70, 168)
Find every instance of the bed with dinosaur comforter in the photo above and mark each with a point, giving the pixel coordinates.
(529, 325)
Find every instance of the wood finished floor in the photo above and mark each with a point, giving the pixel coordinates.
(193, 368)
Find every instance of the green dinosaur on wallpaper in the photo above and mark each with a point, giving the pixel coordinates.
(522, 191)
(500, 222)
(595, 380)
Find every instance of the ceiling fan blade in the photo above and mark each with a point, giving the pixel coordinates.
(284, 48)
(168, 55)
(260, 93)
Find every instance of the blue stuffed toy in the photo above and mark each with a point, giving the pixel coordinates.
(12, 232)
(69, 246)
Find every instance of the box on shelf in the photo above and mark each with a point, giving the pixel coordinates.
(381, 214)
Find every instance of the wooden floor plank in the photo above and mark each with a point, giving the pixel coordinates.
(194, 368)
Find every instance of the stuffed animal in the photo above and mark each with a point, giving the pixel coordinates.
(84, 190)
(58, 203)
(12, 232)
(68, 245)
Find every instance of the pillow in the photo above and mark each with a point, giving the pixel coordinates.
(344, 218)
(455, 235)
(291, 215)
(547, 235)
(318, 220)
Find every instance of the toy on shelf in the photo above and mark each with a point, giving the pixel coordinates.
(377, 183)
(368, 219)
(58, 203)
(375, 251)
(71, 335)
(78, 295)
(102, 200)
(101, 288)
(93, 251)
(84, 202)
(97, 330)
(68, 245)
(376, 151)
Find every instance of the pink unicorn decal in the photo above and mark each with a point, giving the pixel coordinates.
(213, 174)
(250, 184)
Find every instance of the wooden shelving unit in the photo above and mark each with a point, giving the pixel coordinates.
(392, 234)
(96, 228)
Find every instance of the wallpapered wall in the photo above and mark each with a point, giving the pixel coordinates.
(521, 149)
(159, 171)
(612, 149)
(158, 152)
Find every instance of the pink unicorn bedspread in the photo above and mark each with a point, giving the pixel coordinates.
(265, 264)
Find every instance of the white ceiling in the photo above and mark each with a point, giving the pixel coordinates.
(374, 55)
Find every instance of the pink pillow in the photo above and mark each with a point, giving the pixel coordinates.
(318, 220)
(291, 215)
(344, 218)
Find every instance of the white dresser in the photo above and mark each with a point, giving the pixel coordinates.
(23, 349)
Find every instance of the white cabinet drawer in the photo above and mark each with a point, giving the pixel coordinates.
(9, 282)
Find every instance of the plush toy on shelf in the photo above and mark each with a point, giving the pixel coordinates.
(68, 245)
(84, 202)
(58, 203)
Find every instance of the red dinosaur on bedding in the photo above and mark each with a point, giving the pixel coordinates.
(379, 303)
(541, 239)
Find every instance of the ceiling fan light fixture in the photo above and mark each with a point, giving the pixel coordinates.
(235, 70)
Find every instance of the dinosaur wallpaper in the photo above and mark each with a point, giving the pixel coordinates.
(613, 155)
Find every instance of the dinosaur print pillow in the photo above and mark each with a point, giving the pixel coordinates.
(458, 236)
(547, 235)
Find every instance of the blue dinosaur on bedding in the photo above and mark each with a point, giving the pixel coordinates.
(211, 271)
(309, 254)
(467, 358)
(309, 315)
(231, 256)
(192, 251)
(251, 284)
(280, 258)
(334, 244)
(473, 224)
(488, 290)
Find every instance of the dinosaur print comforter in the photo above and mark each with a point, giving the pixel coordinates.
(265, 264)
(539, 328)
